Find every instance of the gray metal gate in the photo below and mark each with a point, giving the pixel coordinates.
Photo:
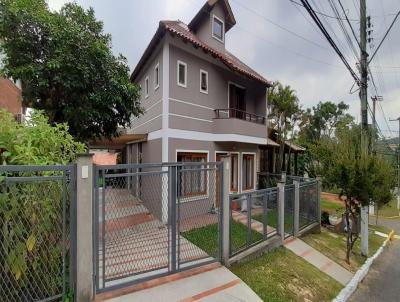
(37, 241)
(152, 220)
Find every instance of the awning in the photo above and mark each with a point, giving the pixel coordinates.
(118, 142)
(272, 143)
(294, 147)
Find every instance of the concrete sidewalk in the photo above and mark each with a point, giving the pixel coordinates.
(217, 285)
(320, 261)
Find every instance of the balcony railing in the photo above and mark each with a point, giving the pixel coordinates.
(239, 114)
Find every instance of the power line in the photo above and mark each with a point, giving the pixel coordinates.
(384, 37)
(318, 12)
(348, 22)
(278, 25)
(328, 37)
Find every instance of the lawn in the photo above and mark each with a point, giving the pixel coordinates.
(206, 237)
(272, 219)
(334, 246)
(389, 210)
(331, 207)
(280, 275)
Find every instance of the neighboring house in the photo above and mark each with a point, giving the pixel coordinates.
(11, 99)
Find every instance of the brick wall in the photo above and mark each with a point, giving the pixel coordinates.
(10, 96)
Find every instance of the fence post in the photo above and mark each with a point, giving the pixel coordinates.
(296, 207)
(226, 213)
(281, 210)
(173, 204)
(283, 177)
(84, 231)
(319, 190)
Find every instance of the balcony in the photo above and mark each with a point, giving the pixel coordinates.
(234, 121)
(239, 114)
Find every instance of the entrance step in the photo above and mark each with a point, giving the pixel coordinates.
(215, 284)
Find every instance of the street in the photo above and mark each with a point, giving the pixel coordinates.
(382, 281)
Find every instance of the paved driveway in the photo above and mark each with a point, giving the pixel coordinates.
(383, 280)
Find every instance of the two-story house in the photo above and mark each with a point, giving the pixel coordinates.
(200, 101)
(11, 98)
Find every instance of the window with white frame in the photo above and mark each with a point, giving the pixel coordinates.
(203, 81)
(157, 76)
(146, 87)
(182, 74)
(192, 179)
(218, 28)
(248, 172)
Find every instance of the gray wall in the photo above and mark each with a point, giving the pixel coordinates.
(217, 97)
(205, 30)
(151, 119)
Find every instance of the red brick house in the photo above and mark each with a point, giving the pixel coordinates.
(10, 97)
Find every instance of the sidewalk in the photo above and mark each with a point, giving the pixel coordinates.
(217, 285)
(320, 261)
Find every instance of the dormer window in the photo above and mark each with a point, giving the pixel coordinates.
(218, 29)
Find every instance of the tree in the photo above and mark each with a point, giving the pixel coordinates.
(356, 173)
(66, 66)
(319, 124)
(284, 114)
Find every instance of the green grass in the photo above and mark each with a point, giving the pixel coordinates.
(206, 237)
(280, 275)
(389, 210)
(331, 207)
(272, 220)
(333, 246)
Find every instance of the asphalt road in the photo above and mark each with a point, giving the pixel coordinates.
(382, 284)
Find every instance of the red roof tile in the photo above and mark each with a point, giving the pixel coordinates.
(180, 29)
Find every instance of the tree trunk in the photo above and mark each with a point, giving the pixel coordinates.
(348, 237)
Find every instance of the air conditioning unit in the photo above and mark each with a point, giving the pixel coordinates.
(20, 118)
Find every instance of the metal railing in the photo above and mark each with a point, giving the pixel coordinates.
(37, 232)
(239, 114)
(254, 218)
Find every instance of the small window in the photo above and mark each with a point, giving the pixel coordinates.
(248, 172)
(146, 87)
(182, 74)
(218, 29)
(156, 76)
(193, 182)
(203, 81)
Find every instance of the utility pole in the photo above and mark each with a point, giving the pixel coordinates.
(364, 111)
(398, 165)
(374, 99)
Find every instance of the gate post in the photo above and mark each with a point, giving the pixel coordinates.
(172, 212)
(226, 213)
(281, 210)
(296, 207)
(84, 230)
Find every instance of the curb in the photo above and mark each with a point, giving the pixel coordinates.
(390, 217)
(350, 288)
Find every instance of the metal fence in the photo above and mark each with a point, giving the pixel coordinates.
(154, 219)
(37, 210)
(289, 210)
(308, 204)
(254, 217)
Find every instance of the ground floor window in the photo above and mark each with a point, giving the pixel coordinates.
(248, 172)
(234, 172)
(193, 179)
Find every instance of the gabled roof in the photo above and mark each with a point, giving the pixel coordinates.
(181, 30)
(205, 11)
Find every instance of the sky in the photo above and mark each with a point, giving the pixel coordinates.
(279, 40)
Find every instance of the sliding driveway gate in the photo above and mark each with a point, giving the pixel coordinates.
(152, 220)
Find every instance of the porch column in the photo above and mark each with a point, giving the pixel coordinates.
(296, 171)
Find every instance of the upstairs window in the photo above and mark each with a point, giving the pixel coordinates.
(218, 29)
(181, 74)
(203, 81)
(146, 87)
(156, 76)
